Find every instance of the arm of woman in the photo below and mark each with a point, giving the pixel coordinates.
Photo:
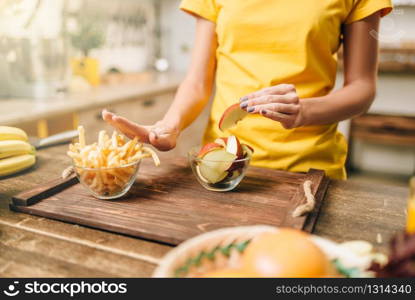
(190, 99)
(195, 90)
(282, 104)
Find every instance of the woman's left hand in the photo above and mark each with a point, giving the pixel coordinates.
(279, 103)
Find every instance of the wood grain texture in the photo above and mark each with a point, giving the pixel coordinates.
(43, 191)
(389, 130)
(351, 210)
(362, 211)
(24, 235)
(168, 205)
(318, 188)
(17, 244)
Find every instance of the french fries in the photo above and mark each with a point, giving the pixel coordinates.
(108, 166)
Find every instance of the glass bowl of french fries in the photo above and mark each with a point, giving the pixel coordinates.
(108, 168)
(108, 183)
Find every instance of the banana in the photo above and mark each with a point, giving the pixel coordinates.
(15, 147)
(12, 133)
(16, 164)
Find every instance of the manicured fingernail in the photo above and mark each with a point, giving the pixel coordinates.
(251, 109)
(243, 104)
(243, 99)
(264, 112)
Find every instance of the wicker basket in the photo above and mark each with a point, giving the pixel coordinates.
(222, 248)
(209, 251)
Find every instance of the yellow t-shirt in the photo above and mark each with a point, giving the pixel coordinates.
(262, 43)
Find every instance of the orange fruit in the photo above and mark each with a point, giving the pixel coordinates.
(227, 273)
(286, 253)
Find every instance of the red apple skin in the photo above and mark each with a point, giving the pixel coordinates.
(250, 148)
(240, 153)
(236, 166)
(207, 148)
(221, 141)
(240, 164)
(227, 112)
(231, 174)
(239, 150)
(225, 139)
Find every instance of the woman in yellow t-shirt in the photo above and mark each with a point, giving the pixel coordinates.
(278, 58)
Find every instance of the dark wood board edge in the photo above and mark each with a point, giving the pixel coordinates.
(319, 187)
(43, 191)
(22, 202)
(312, 217)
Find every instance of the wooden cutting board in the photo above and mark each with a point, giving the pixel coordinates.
(168, 205)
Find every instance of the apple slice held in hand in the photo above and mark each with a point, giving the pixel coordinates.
(213, 165)
(232, 115)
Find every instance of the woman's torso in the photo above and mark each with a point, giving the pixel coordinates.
(265, 43)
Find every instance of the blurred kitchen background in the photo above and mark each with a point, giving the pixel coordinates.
(63, 61)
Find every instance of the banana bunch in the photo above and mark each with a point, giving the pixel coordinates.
(16, 154)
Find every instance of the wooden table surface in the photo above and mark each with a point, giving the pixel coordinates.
(37, 247)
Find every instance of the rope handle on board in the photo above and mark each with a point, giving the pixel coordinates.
(310, 203)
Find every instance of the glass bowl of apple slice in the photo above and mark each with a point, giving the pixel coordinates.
(220, 166)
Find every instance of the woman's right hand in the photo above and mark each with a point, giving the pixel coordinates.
(160, 135)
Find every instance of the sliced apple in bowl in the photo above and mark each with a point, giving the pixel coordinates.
(234, 174)
(234, 146)
(247, 150)
(213, 167)
(222, 141)
(240, 150)
(220, 166)
(208, 148)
